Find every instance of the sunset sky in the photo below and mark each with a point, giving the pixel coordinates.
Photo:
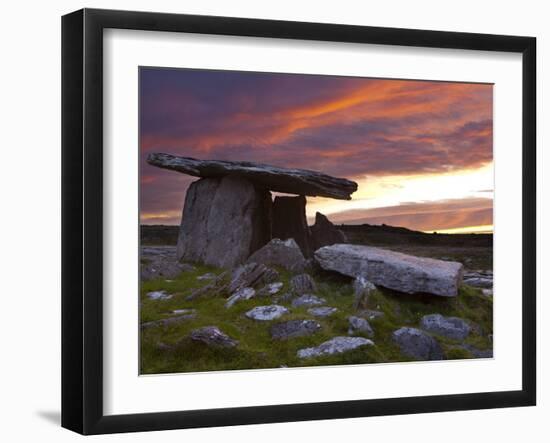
(421, 152)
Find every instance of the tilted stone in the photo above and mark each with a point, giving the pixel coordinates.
(274, 178)
(213, 336)
(393, 270)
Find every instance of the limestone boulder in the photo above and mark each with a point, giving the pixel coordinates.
(224, 221)
(277, 252)
(337, 345)
(417, 344)
(393, 270)
(450, 327)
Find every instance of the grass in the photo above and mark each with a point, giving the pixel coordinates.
(257, 350)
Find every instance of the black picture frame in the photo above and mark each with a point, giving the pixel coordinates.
(82, 218)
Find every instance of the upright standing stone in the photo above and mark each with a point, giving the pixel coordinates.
(224, 220)
(324, 233)
(289, 221)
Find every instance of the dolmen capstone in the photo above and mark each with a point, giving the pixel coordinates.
(393, 270)
(229, 213)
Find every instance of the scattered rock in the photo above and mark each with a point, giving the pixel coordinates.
(393, 270)
(159, 295)
(294, 328)
(302, 284)
(289, 221)
(286, 180)
(324, 233)
(308, 300)
(251, 275)
(161, 262)
(450, 327)
(487, 292)
(359, 325)
(417, 344)
(371, 314)
(362, 288)
(285, 253)
(322, 311)
(284, 298)
(207, 276)
(183, 311)
(479, 282)
(267, 313)
(270, 289)
(168, 321)
(240, 295)
(217, 287)
(337, 345)
(212, 336)
(224, 221)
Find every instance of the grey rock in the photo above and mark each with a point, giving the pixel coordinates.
(216, 287)
(479, 282)
(394, 270)
(302, 284)
(294, 328)
(337, 345)
(450, 327)
(251, 275)
(478, 353)
(284, 298)
(324, 233)
(212, 336)
(267, 313)
(362, 288)
(240, 295)
(290, 221)
(161, 262)
(183, 311)
(159, 295)
(207, 276)
(417, 344)
(308, 300)
(285, 253)
(270, 289)
(286, 180)
(224, 220)
(168, 321)
(359, 325)
(371, 314)
(487, 292)
(322, 311)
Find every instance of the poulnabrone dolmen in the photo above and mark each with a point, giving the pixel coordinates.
(229, 214)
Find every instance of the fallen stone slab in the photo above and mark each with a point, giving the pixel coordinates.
(393, 270)
(294, 328)
(267, 313)
(308, 300)
(224, 220)
(240, 295)
(337, 345)
(213, 336)
(322, 311)
(285, 253)
(359, 325)
(417, 344)
(450, 327)
(274, 178)
(302, 284)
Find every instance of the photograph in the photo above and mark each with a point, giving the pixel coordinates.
(292, 220)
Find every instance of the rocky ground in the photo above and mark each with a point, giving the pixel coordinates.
(290, 313)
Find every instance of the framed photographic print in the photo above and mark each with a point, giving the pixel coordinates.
(269, 221)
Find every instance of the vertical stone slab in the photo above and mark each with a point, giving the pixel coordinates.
(289, 221)
(324, 233)
(224, 220)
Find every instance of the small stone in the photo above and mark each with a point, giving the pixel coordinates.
(337, 345)
(207, 276)
(184, 311)
(284, 298)
(168, 321)
(240, 295)
(251, 275)
(308, 300)
(294, 328)
(359, 325)
(362, 288)
(212, 336)
(487, 292)
(450, 327)
(323, 311)
(417, 344)
(270, 289)
(371, 314)
(267, 313)
(302, 284)
(159, 295)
